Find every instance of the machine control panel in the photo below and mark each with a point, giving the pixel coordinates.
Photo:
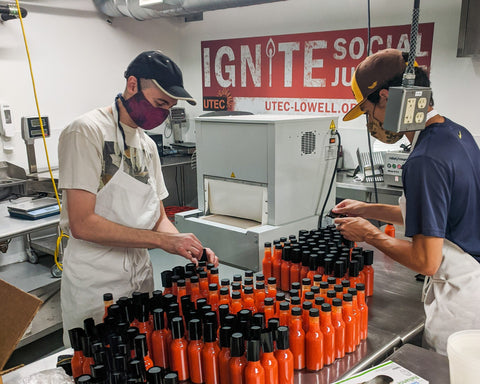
(31, 129)
(392, 171)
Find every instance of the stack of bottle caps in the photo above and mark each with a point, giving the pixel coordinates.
(209, 330)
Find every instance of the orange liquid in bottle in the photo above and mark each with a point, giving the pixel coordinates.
(349, 320)
(267, 261)
(160, 339)
(178, 350)
(339, 327)
(194, 351)
(78, 358)
(314, 342)
(297, 339)
(328, 332)
(210, 353)
(363, 308)
(237, 360)
(284, 357)
(369, 272)
(272, 287)
(224, 355)
(277, 264)
(237, 304)
(254, 372)
(269, 362)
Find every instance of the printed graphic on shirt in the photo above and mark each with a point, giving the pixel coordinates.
(134, 163)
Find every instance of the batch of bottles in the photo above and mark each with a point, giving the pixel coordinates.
(213, 331)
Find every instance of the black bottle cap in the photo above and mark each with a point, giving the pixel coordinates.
(248, 281)
(210, 266)
(212, 287)
(286, 253)
(214, 271)
(319, 300)
(169, 299)
(293, 293)
(154, 375)
(297, 311)
(254, 333)
(166, 279)
(280, 297)
(89, 327)
(237, 345)
(352, 291)
(195, 329)
(202, 275)
(186, 304)
(354, 268)
(296, 285)
(225, 282)
(170, 378)
(306, 281)
(141, 349)
(210, 317)
(202, 264)
(180, 283)
(271, 280)
(295, 300)
(84, 379)
(307, 305)
(339, 269)
(177, 328)
(237, 278)
(248, 290)
(317, 278)
(86, 346)
(75, 335)
(201, 303)
(314, 312)
(368, 257)
(267, 244)
(209, 332)
(337, 302)
(282, 338)
(315, 289)
(230, 320)
(136, 368)
(347, 297)
(245, 315)
(326, 307)
(267, 340)
(120, 363)
(328, 265)
(179, 270)
(253, 350)
(260, 277)
(360, 287)
(236, 286)
(98, 371)
(313, 262)
(346, 283)
(269, 301)
(236, 295)
(258, 319)
(338, 288)
(331, 293)
(305, 258)
(331, 280)
(273, 324)
(107, 296)
(360, 260)
(259, 285)
(296, 255)
(223, 311)
(309, 296)
(225, 334)
(194, 279)
(278, 246)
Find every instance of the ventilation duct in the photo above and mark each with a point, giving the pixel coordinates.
(149, 9)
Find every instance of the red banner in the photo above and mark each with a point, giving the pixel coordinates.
(299, 73)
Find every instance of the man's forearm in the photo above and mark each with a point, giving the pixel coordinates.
(384, 212)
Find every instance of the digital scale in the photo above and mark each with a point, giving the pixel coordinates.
(31, 130)
(34, 209)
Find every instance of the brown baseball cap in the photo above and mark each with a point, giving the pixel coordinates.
(371, 74)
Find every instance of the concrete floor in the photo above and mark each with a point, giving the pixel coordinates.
(52, 343)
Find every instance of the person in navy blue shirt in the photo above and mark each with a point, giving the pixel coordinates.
(440, 207)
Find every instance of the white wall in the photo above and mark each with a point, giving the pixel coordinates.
(79, 59)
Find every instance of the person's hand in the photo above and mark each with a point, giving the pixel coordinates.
(211, 257)
(183, 244)
(355, 228)
(351, 208)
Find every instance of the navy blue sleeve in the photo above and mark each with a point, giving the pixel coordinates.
(426, 184)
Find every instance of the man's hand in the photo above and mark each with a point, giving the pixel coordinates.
(211, 257)
(351, 208)
(356, 228)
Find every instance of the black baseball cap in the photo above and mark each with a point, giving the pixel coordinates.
(163, 71)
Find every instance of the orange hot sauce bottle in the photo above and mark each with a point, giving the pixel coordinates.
(356, 314)
(280, 297)
(306, 284)
(285, 269)
(224, 355)
(249, 299)
(269, 362)
(297, 339)
(313, 264)
(213, 298)
(267, 260)
(254, 372)
(350, 327)
(306, 306)
(194, 351)
(277, 263)
(272, 287)
(203, 283)
(284, 357)
(107, 302)
(87, 353)
(260, 295)
(339, 327)
(296, 266)
(214, 278)
(354, 273)
(178, 350)
(390, 230)
(369, 272)
(237, 304)
(327, 268)
(284, 314)
(224, 296)
(328, 332)
(237, 359)
(305, 265)
(314, 342)
(160, 339)
(195, 288)
(363, 308)
(75, 335)
(269, 308)
(317, 279)
(210, 353)
(167, 282)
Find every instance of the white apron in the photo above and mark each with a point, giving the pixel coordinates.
(452, 297)
(90, 270)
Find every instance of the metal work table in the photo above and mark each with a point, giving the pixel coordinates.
(396, 316)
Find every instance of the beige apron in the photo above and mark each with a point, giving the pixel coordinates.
(452, 295)
(90, 270)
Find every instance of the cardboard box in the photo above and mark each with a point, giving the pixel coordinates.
(17, 310)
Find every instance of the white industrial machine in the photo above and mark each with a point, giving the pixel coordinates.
(392, 170)
(259, 177)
